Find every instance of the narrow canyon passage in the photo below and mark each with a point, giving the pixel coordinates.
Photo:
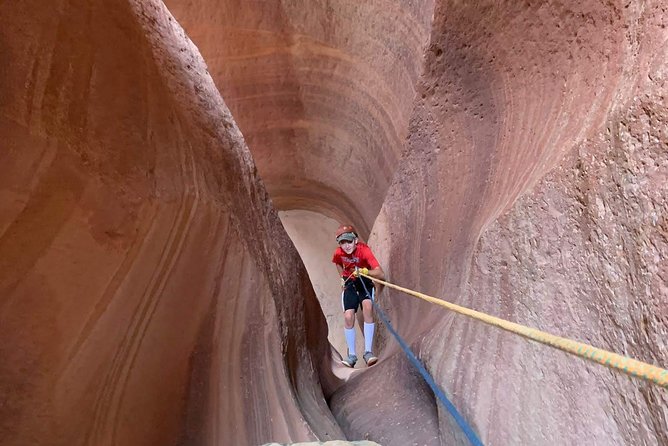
(171, 175)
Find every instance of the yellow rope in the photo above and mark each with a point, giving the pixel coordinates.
(627, 365)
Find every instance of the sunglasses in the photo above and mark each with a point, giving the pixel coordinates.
(345, 242)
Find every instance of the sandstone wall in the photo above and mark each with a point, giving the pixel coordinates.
(583, 256)
(141, 298)
(322, 92)
(509, 156)
(508, 90)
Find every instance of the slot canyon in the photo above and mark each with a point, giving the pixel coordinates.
(172, 174)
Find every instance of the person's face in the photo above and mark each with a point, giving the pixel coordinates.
(348, 247)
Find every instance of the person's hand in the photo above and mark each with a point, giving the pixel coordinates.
(343, 282)
(359, 271)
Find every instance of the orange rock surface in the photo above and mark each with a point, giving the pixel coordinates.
(143, 297)
(511, 157)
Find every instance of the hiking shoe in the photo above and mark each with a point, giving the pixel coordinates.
(370, 358)
(350, 361)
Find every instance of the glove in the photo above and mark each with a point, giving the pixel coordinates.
(359, 271)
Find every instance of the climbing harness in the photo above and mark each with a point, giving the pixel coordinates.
(624, 364)
(470, 434)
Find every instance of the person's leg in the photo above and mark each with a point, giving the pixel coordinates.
(350, 305)
(349, 329)
(367, 311)
(365, 299)
(369, 325)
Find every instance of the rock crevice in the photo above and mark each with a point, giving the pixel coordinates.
(510, 157)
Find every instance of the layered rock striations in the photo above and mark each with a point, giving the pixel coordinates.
(510, 157)
(583, 256)
(321, 90)
(141, 297)
(508, 92)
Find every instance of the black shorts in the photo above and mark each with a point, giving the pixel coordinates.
(353, 294)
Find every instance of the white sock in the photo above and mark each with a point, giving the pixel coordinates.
(368, 336)
(350, 338)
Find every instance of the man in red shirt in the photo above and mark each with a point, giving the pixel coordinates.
(350, 257)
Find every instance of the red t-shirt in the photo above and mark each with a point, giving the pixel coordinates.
(361, 257)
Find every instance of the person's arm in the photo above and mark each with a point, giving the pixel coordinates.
(377, 273)
(340, 269)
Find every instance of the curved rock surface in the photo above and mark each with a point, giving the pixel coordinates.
(321, 90)
(511, 157)
(140, 303)
(507, 93)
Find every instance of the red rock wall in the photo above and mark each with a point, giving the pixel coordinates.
(149, 295)
(582, 256)
(508, 90)
(142, 300)
(322, 92)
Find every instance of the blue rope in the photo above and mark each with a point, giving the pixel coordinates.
(472, 437)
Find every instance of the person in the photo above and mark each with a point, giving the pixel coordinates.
(351, 258)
